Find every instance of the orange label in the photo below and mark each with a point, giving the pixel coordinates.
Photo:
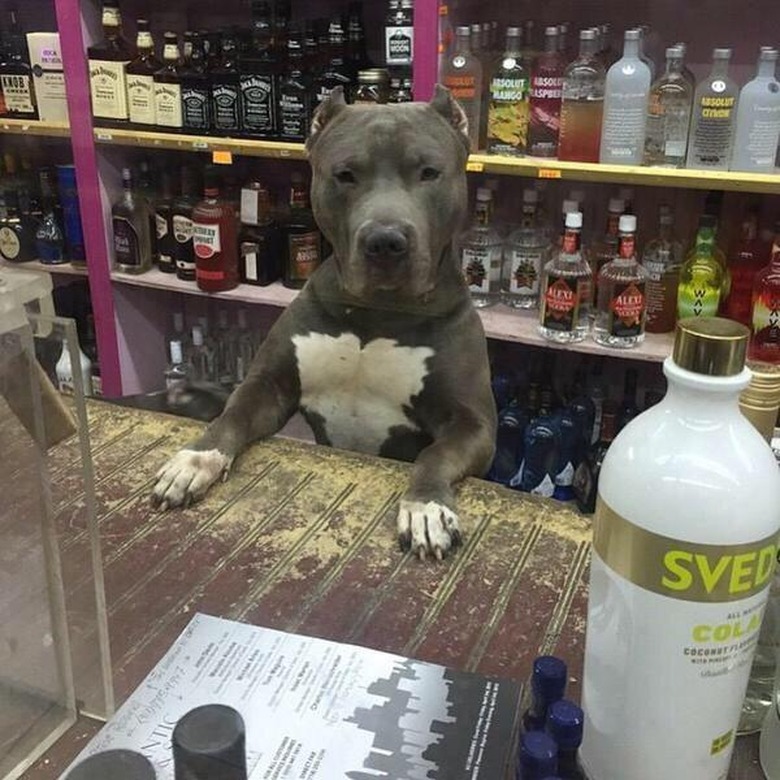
(549, 173)
(221, 157)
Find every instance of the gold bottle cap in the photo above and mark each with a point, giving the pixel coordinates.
(713, 346)
(760, 401)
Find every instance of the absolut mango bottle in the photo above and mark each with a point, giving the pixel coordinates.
(684, 545)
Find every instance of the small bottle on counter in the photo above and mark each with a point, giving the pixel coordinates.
(538, 757)
(548, 685)
(564, 724)
(113, 764)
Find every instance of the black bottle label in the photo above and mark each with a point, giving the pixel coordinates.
(258, 101)
(126, 251)
(184, 253)
(227, 107)
(18, 94)
(294, 115)
(166, 243)
(195, 107)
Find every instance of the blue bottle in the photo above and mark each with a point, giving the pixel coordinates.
(565, 721)
(512, 422)
(548, 684)
(503, 389)
(71, 216)
(570, 452)
(540, 457)
(538, 756)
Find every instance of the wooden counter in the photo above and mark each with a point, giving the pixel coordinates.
(302, 538)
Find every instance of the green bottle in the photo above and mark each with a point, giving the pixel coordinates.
(701, 276)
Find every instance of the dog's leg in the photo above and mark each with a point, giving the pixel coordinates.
(427, 522)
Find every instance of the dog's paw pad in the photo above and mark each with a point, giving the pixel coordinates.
(427, 528)
(187, 476)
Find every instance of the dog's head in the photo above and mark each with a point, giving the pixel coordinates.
(389, 190)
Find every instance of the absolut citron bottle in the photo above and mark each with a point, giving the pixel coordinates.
(684, 548)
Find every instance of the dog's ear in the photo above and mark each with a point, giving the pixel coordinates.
(446, 105)
(333, 104)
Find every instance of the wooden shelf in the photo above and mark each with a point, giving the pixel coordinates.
(500, 321)
(34, 127)
(64, 269)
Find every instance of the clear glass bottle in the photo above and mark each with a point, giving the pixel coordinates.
(566, 290)
(525, 255)
(765, 338)
(545, 100)
(604, 250)
(507, 124)
(746, 259)
(140, 79)
(701, 276)
(662, 259)
(582, 106)
(622, 304)
(202, 358)
(130, 224)
(626, 90)
(463, 77)
(758, 119)
(480, 254)
(714, 116)
(177, 373)
(669, 115)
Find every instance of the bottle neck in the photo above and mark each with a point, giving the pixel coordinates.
(665, 230)
(705, 238)
(631, 48)
(571, 241)
(706, 400)
(587, 49)
(482, 213)
(613, 220)
(513, 46)
(463, 44)
(674, 66)
(299, 198)
(720, 69)
(627, 248)
(767, 68)
(551, 43)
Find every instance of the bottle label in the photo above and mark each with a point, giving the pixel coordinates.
(140, 99)
(10, 246)
(545, 115)
(399, 45)
(698, 301)
(766, 321)
(17, 92)
(476, 269)
(108, 86)
(210, 276)
(249, 206)
(182, 228)
(508, 116)
(623, 127)
(526, 270)
(304, 255)
(712, 136)
(168, 106)
(126, 244)
(561, 303)
(627, 309)
(293, 116)
(161, 224)
(258, 101)
(249, 252)
(206, 240)
(763, 132)
(227, 102)
(195, 108)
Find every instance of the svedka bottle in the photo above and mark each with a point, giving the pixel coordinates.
(684, 546)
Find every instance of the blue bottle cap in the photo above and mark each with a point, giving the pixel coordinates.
(549, 678)
(564, 724)
(538, 755)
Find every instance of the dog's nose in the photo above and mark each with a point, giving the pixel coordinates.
(386, 242)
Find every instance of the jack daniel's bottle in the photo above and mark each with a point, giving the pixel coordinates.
(226, 90)
(295, 93)
(195, 87)
(260, 76)
(107, 61)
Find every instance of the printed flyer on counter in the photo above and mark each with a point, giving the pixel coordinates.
(320, 710)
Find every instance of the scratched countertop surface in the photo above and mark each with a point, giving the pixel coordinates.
(302, 538)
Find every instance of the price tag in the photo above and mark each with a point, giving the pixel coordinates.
(549, 173)
(221, 157)
(475, 166)
(104, 136)
(200, 144)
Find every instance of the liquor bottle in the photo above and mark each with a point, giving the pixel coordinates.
(604, 250)
(335, 73)
(541, 443)
(583, 407)
(282, 11)
(758, 119)
(566, 289)
(107, 62)
(245, 349)
(598, 394)
(130, 225)
(140, 79)
(644, 35)
(226, 89)
(167, 87)
(525, 255)
(446, 38)
(66, 382)
(746, 259)
(565, 725)
(463, 77)
(670, 488)
(512, 422)
(260, 72)
(225, 351)
(662, 259)
(71, 214)
(399, 33)
(202, 360)
(400, 91)
(212, 48)
(702, 275)
(17, 239)
(582, 104)
(765, 338)
(586, 477)
(669, 115)
(215, 238)
(508, 113)
(165, 252)
(711, 136)
(356, 54)
(259, 240)
(16, 76)
(622, 305)
(49, 238)
(373, 87)
(545, 100)
(294, 119)
(626, 91)
(177, 374)
(181, 222)
(303, 243)
(548, 685)
(569, 453)
(686, 71)
(537, 757)
(628, 408)
(480, 254)
(195, 88)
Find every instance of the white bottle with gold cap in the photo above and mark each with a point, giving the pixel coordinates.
(685, 538)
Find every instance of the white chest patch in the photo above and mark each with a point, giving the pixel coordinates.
(360, 391)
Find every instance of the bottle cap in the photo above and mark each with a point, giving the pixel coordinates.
(538, 754)
(712, 346)
(114, 764)
(760, 400)
(483, 193)
(548, 679)
(721, 54)
(617, 205)
(588, 35)
(197, 336)
(627, 223)
(568, 206)
(463, 30)
(551, 32)
(574, 219)
(514, 31)
(374, 76)
(565, 723)
(530, 196)
(674, 52)
(768, 54)
(209, 741)
(176, 353)
(632, 35)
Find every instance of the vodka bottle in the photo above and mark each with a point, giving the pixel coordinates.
(714, 113)
(669, 114)
(507, 121)
(65, 371)
(201, 357)
(463, 77)
(177, 373)
(702, 276)
(765, 339)
(685, 539)
(546, 91)
(662, 259)
(245, 347)
(758, 119)
(605, 250)
(480, 254)
(525, 255)
(626, 92)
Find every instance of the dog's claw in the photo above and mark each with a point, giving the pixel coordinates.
(421, 552)
(438, 553)
(405, 541)
(457, 539)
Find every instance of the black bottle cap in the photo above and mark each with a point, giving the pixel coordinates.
(113, 764)
(209, 744)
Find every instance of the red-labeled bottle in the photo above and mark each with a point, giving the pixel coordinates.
(747, 259)
(215, 238)
(765, 337)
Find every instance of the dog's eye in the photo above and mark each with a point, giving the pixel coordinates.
(345, 177)
(429, 174)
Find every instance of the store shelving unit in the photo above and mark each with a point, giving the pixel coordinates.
(60, 269)
(34, 127)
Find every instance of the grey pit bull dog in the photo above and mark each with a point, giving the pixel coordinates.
(382, 351)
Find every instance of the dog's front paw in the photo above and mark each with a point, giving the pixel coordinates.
(187, 476)
(427, 528)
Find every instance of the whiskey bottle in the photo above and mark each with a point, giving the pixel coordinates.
(507, 124)
(303, 242)
(181, 221)
(140, 79)
(294, 118)
(702, 275)
(259, 78)
(195, 88)
(17, 237)
(107, 62)
(545, 101)
(356, 54)
(765, 330)
(662, 259)
(215, 238)
(259, 240)
(480, 254)
(167, 87)
(399, 33)
(463, 77)
(49, 237)
(336, 73)
(622, 304)
(226, 89)
(16, 77)
(525, 255)
(130, 226)
(163, 217)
